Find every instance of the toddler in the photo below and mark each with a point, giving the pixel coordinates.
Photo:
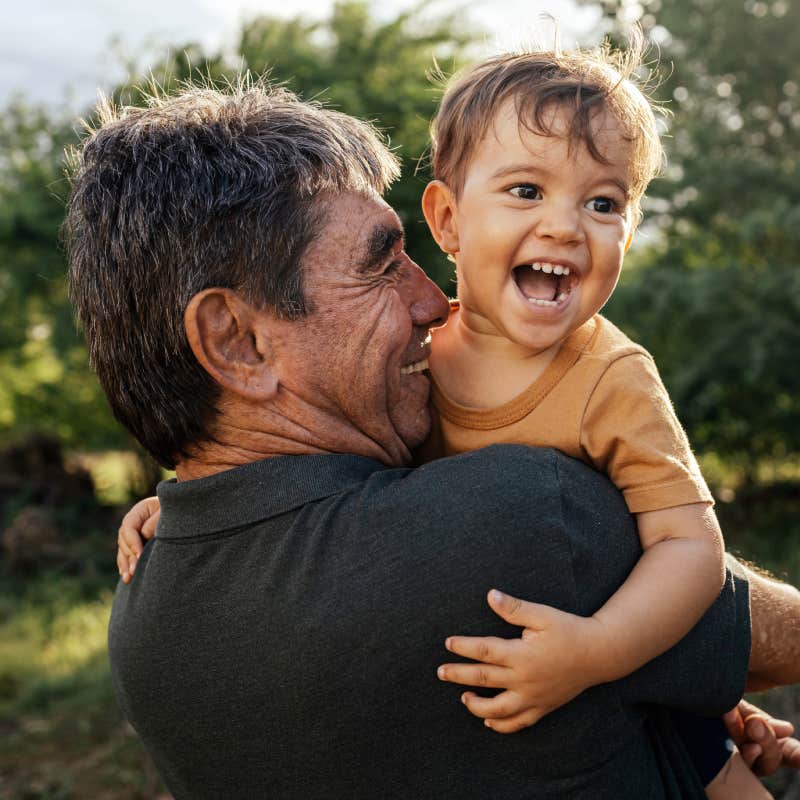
(540, 163)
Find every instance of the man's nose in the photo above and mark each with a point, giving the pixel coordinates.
(428, 306)
(560, 222)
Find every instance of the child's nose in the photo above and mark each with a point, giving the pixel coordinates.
(560, 222)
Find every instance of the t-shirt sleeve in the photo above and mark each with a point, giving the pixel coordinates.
(629, 431)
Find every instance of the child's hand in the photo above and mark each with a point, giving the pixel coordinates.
(138, 524)
(548, 666)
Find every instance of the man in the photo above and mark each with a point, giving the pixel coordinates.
(255, 321)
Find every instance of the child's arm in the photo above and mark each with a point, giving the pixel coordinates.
(137, 525)
(559, 654)
(678, 577)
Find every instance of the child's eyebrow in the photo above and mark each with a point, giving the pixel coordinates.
(518, 169)
(622, 186)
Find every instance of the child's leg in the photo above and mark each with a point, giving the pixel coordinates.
(718, 764)
(736, 781)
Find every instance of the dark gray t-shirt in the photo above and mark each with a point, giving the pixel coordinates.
(282, 632)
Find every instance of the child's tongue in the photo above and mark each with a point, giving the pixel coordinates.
(537, 284)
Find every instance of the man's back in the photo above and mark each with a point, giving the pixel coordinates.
(292, 613)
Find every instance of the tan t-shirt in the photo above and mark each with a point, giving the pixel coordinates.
(600, 400)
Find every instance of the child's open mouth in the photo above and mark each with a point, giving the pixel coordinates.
(543, 283)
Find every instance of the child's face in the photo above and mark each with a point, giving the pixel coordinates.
(541, 232)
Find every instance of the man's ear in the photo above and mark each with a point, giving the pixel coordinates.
(439, 207)
(226, 335)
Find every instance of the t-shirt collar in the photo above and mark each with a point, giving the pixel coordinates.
(255, 492)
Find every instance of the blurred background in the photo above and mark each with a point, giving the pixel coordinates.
(711, 287)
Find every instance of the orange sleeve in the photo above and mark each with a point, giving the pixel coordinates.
(630, 432)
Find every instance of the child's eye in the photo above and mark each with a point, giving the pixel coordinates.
(602, 205)
(526, 191)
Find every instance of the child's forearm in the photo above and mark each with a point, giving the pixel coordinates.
(670, 588)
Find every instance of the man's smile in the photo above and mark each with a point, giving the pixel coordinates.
(417, 366)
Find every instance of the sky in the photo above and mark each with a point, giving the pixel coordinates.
(77, 46)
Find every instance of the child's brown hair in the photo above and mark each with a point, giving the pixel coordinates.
(589, 81)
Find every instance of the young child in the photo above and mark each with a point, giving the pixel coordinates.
(541, 161)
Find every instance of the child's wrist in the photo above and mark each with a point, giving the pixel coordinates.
(599, 657)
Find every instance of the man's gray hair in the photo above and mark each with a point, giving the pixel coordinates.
(201, 189)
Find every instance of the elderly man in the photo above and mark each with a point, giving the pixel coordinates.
(256, 323)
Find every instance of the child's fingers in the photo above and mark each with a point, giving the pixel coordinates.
(122, 566)
(124, 544)
(503, 706)
(135, 520)
(128, 555)
(487, 675)
(515, 723)
(521, 612)
(130, 542)
(150, 525)
(490, 649)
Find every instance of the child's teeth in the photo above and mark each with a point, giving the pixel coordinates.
(562, 297)
(549, 268)
(539, 302)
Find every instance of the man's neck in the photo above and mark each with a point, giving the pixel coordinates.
(262, 434)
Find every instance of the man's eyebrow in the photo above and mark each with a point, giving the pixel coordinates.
(381, 243)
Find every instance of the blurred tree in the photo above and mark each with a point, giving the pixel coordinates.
(716, 294)
(44, 380)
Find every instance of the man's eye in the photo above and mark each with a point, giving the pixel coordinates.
(602, 205)
(526, 191)
(391, 267)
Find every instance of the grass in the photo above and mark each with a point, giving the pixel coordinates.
(62, 735)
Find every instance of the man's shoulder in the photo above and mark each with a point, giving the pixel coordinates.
(509, 479)
(497, 469)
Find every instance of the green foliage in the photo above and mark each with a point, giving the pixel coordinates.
(44, 381)
(715, 296)
(725, 337)
(63, 736)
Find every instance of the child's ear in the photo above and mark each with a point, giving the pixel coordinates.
(438, 206)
